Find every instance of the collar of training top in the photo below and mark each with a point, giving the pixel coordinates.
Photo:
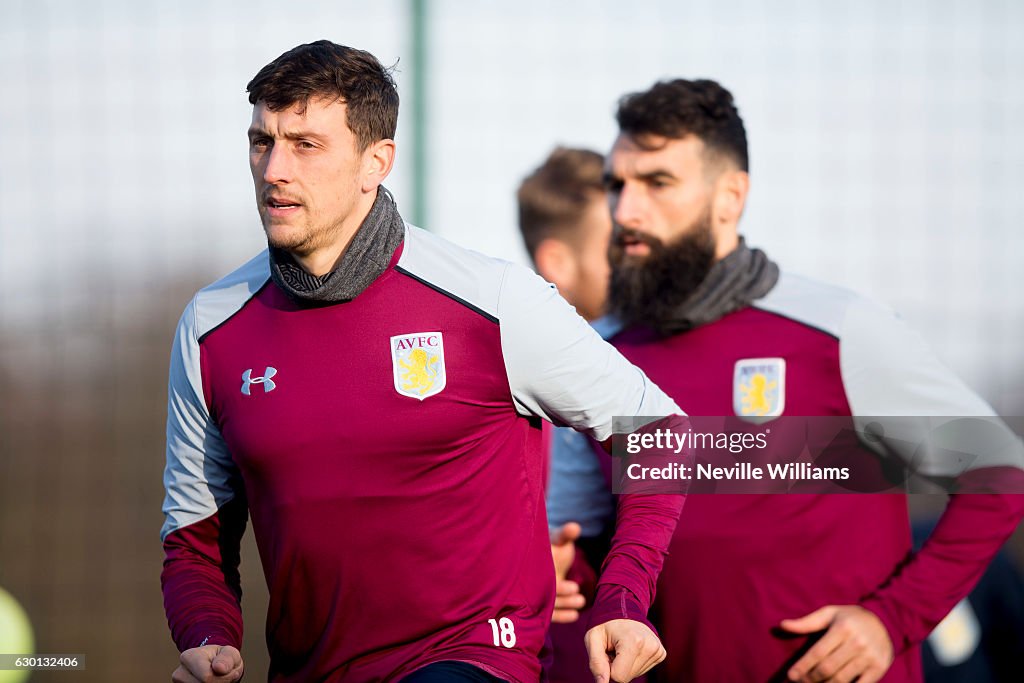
(743, 276)
(367, 256)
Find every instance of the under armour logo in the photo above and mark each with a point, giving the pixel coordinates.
(268, 384)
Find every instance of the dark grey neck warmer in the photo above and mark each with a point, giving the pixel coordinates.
(367, 256)
(741, 277)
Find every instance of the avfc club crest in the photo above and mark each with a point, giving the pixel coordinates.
(418, 363)
(759, 388)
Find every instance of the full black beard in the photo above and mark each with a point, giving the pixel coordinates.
(650, 290)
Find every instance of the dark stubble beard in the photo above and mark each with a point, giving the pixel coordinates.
(650, 290)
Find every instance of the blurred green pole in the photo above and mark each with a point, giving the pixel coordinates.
(418, 16)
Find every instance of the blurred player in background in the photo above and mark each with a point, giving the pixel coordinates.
(564, 221)
(370, 394)
(775, 587)
(982, 639)
(565, 225)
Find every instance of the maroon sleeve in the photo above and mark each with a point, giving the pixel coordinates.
(970, 532)
(200, 580)
(617, 602)
(644, 527)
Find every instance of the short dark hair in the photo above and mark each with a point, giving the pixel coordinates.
(677, 108)
(554, 197)
(336, 72)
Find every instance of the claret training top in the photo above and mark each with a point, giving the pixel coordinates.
(388, 451)
(758, 559)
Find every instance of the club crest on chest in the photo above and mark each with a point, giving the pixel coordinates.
(759, 388)
(417, 361)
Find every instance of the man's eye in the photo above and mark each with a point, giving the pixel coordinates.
(260, 143)
(306, 144)
(613, 186)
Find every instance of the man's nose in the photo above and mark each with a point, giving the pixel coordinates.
(278, 168)
(627, 207)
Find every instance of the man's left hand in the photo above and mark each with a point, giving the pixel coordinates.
(855, 643)
(622, 649)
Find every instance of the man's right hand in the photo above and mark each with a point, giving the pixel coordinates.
(209, 664)
(568, 599)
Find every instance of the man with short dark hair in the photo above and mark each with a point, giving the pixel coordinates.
(371, 395)
(563, 218)
(565, 225)
(807, 587)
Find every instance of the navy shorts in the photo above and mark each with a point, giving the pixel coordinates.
(453, 672)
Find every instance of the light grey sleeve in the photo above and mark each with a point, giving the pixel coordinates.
(560, 369)
(910, 404)
(199, 476)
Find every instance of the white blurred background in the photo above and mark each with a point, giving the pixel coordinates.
(886, 146)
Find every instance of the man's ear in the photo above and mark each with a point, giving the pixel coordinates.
(730, 197)
(556, 263)
(378, 159)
